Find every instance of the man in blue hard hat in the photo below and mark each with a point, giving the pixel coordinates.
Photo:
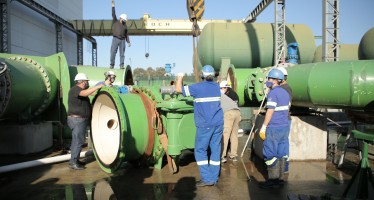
(274, 130)
(287, 87)
(208, 121)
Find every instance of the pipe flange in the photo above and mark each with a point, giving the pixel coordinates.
(5, 91)
(44, 74)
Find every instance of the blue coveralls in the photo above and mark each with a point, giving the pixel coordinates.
(209, 127)
(275, 144)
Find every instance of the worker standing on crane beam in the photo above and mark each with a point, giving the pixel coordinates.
(120, 37)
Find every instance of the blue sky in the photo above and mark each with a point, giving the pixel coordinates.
(356, 18)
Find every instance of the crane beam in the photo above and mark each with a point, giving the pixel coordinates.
(143, 26)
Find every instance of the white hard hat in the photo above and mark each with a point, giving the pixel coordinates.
(123, 16)
(224, 84)
(109, 73)
(81, 77)
(283, 70)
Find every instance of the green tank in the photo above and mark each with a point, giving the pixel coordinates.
(250, 45)
(366, 47)
(347, 52)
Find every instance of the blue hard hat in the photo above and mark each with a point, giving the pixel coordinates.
(208, 71)
(276, 74)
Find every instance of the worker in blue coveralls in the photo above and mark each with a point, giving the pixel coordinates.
(209, 124)
(274, 130)
(285, 86)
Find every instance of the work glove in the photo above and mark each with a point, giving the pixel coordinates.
(181, 74)
(262, 133)
(129, 44)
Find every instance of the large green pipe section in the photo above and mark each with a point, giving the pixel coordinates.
(128, 126)
(346, 84)
(37, 88)
(343, 85)
(250, 45)
(30, 85)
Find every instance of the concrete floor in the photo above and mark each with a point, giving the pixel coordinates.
(238, 180)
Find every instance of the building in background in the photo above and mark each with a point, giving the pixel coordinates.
(30, 27)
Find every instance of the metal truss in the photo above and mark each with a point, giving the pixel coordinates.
(330, 32)
(279, 32)
(4, 27)
(59, 46)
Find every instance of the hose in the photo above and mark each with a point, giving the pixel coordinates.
(43, 161)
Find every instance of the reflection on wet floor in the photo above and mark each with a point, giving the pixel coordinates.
(238, 180)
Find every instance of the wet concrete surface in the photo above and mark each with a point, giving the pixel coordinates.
(238, 180)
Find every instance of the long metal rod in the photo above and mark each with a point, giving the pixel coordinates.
(253, 126)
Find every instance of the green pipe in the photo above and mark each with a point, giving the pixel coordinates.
(250, 45)
(30, 85)
(346, 84)
(347, 52)
(341, 85)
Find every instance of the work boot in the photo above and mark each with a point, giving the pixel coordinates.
(223, 160)
(270, 183)
(273, 177)
(273, 171)
(286, 170)
(282, 169)
(234, 159)
(81, 162)
(122, 67)
(76, 166)
(202, 184)
(111, 66)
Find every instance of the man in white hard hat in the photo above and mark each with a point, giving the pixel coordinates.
(231, 118)
(79, 113)
(110, 77)
(120, 37)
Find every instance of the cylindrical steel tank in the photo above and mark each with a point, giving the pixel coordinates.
(250, 45)
(366, 47)
(347, 52)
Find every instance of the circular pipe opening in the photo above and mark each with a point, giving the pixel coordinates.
(106, 130)
(112, 124)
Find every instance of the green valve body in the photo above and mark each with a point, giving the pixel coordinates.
(129, 126)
